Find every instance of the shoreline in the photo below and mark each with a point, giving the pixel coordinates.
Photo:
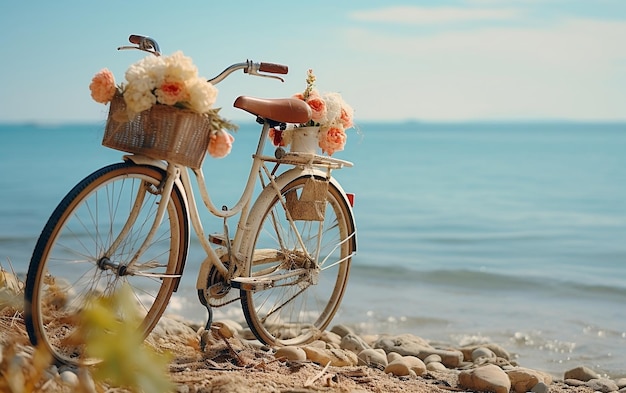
(225, 359)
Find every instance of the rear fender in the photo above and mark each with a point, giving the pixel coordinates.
(268, 194)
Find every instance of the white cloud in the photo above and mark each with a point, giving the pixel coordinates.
(573, 69)
(433, 15)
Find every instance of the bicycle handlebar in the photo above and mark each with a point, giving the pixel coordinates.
(149, 45)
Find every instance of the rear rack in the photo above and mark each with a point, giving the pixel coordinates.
(308, 159)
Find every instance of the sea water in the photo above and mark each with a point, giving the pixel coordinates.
(507, 233)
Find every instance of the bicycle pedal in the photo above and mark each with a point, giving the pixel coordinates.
(218, 238)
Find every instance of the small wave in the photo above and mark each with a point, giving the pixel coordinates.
(489, 281)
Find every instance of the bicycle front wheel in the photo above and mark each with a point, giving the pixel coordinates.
(86, 247)
(300, 257)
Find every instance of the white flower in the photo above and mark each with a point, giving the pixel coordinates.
(334, 103)
(202, 95)
(181, 67)
(138, 95)
(152, 67)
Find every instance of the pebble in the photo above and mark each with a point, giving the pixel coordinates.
(523, 380)
(391, 356)
(291, 353)
(331, 338)
(415, 364)
(371, 357)
(488, 378)
(482, 352)
(574, 382)
(540, 388)
(353, 343)
(410, 345)
(336, 357)
(479, 368)
(342, 330)
(602, 385)
(581, 373)
(495, 348)
(432, 358)
(397, 368)
(69, 378)
(435, 366)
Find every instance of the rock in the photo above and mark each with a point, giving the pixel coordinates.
(341, 330)
(432, 358)
(603, 385)
(574, 382)
(495, 348)
(353, 343)
(415, 364)
(398, 367)
(223, 330)
(540, 388)
(488, 378)
(523, 379)
(69, 378)
(482, 352)
(410, 345)
(373, 358)
(332, 339)
(317, 344)
(336, 357)
(86, 380)
(290, 353)
(581, 373)
(621, 383)
(435, 366)
(391, 356)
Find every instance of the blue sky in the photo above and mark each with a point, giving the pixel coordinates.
(445, 60)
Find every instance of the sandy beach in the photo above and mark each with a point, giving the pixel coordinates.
(225, 359)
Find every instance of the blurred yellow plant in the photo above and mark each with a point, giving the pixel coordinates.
(109, 328)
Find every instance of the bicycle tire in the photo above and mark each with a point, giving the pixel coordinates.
(66, 267)
(297, 313)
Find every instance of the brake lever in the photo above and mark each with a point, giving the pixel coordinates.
(154, 52)
(145, 44)
(257, 73)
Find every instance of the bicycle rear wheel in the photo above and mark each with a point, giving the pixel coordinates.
(306, 279)
(72, 261)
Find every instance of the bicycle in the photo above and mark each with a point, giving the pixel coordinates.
(130, 222)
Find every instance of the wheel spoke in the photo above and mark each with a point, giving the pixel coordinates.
(68, 266)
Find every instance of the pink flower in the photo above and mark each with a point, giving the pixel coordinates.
(171, 92)
(220, 144)
(347, 115)
(334, 139)
(277, 137)
(102, 86)
(318, 107)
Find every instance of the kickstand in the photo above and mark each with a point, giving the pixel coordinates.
(210, 319)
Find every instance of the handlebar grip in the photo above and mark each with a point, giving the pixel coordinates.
(273, 68)
(135, 39)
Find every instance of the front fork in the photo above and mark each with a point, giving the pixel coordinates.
(165, 190)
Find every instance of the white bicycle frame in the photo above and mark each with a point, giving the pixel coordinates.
(304, 164)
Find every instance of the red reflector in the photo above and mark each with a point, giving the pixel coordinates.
(351, 199)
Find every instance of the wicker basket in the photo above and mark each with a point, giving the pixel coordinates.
(162, 132)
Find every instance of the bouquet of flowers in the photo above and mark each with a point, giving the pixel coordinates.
(167, 80)
(330, 113)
